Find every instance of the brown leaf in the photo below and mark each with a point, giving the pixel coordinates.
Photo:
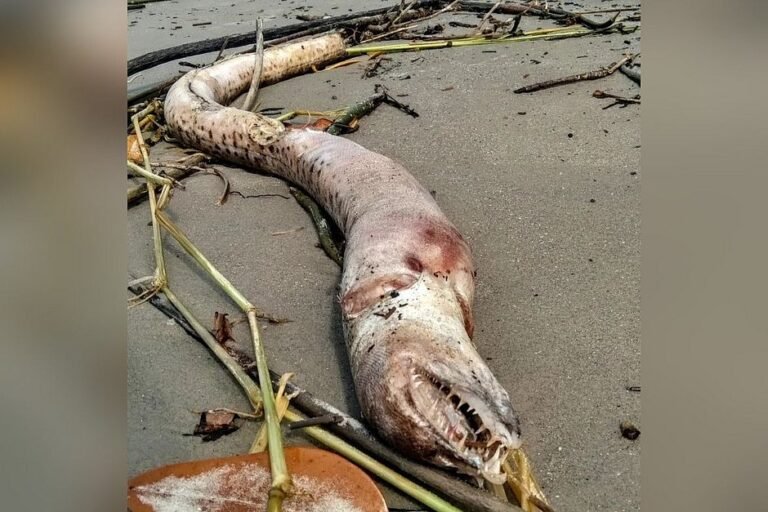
(321, 124)
(214, 424)
(222, 330)
(134, 151)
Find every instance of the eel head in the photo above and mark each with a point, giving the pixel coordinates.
(423, 386)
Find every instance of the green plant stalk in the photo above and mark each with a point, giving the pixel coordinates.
(161, 277)
(206, 265)
(282, 484)
(149, 176)
(470, 41)
(252, 391)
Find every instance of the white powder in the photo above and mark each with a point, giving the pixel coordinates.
(239, 487)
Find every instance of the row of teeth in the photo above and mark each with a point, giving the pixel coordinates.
(450, 429)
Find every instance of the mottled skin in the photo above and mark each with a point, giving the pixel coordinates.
(408, 279)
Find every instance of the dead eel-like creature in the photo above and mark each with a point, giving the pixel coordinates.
(408, 278)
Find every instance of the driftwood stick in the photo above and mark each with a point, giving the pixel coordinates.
(253, 91)
(402, 13)
(479, 29)
(590, 75)
(146, 92)
(237, 40)
(551, 13)
(631, 73)
(223, 47)
(176, 172)
(353, 431)
(618, 100)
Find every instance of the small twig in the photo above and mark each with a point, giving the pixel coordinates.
(390, 33)
(602, 11)
(461, 24)
(152, 106)
(516, 24)
(591, 75)
(287, 232)
(397, 30)
(441, 11)
(221, 52)
(149, 176)
(250, 196)
(224, 193)
(318, 420)
(373, 65)
(200, 24)
(620, 100)
(402, 13)
(479, 29)
(250, 99)
(140, 280)
(389, 100)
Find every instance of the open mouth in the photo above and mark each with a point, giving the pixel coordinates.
(465, 423)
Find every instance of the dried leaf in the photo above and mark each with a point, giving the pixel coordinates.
(222, 329)
(134, 151)
(215, 424)
(321, 124)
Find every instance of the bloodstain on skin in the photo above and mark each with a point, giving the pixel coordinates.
(452, 248)
(452, 254)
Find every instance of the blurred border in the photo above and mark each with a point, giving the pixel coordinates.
(62, 226)
(705, 248)
(63, 241)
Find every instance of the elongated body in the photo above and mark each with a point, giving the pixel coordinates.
(408, 278)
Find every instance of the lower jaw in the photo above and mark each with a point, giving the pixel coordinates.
(466, 468)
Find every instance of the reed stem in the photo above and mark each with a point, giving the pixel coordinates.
(282, 484)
